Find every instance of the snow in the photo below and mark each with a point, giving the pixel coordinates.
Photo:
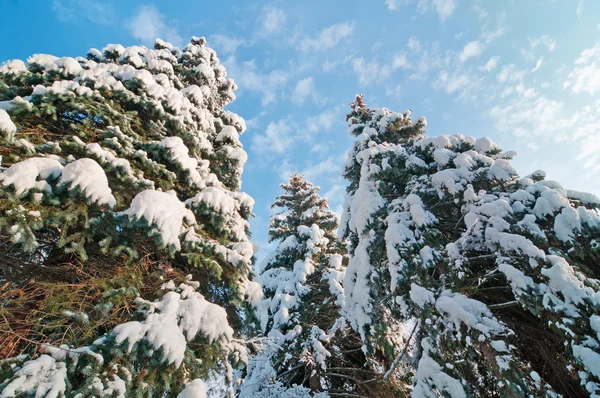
(107, 156)
(518, 280)
(65, 66)
(165, 212)
(421, 296)
(513, 242)
(15, 66)
(334, 276)
(228, 133)
(42, 61)
(88, 176)
(356, 285)
(447, 179)
(364, 203)
(583, 197)
(23, 175)
(595, 324)
(21, 142)
(486, 145)
(567, 224)
(41, 377)
(215, 198)
(113, 48)
(175, 320)
(7, 127)
(528, 222)
(502, 170)
(499, 345)
(194, 389)
(180, 154)
(430, 374)
(562, 279)
(460, 309)
(442, 156)
(589, 358)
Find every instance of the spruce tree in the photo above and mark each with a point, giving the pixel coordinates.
(465, 280)
(309, 350)
(124, 251)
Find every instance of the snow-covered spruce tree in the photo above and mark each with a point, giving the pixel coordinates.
(120, 176)
(465, 280)
(308, 349)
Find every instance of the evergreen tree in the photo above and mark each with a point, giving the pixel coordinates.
(120, 176)
(309, 350)
(465, 280)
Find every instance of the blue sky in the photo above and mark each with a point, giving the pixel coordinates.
(525, 73)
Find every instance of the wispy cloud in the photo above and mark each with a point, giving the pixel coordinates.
(545, 40)
(273, 20)
(370, 72)
(491, 64)
(586, 76)
(148, 24)
(444, 8)
(225, 44)
(472, 49)
(328, 37)
(538, 65)
(79, 11)
(324, 121)
(249, 78)
(276, 139)
(304, 89)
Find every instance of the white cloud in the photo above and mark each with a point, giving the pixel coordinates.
(586, 78)
(148, 24)
(329, 37)
(510, 73)
(328, 166)
(543, 40)
(304, 89)
(392, 4)
(374, 72)
(482, 13)
(414, 44)
(276, 139)
(472, 49)
(248, 77)
(400, 61)
(273, 20)
(444, 8)
(323, 121)
(538, 65)
(531, 113)
(329, 66)
(83, 10)
(453, 83)
(319, 148)
(430, 57)
(489, 34)
(394, 92)
(332, 165)
(491, 64)
(528, 55)
(225, 44)
(285, 170)
(370, 72)
(579, 10)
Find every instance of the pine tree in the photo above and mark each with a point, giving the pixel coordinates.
(119, 189)
(465, 280)
(306, 352)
